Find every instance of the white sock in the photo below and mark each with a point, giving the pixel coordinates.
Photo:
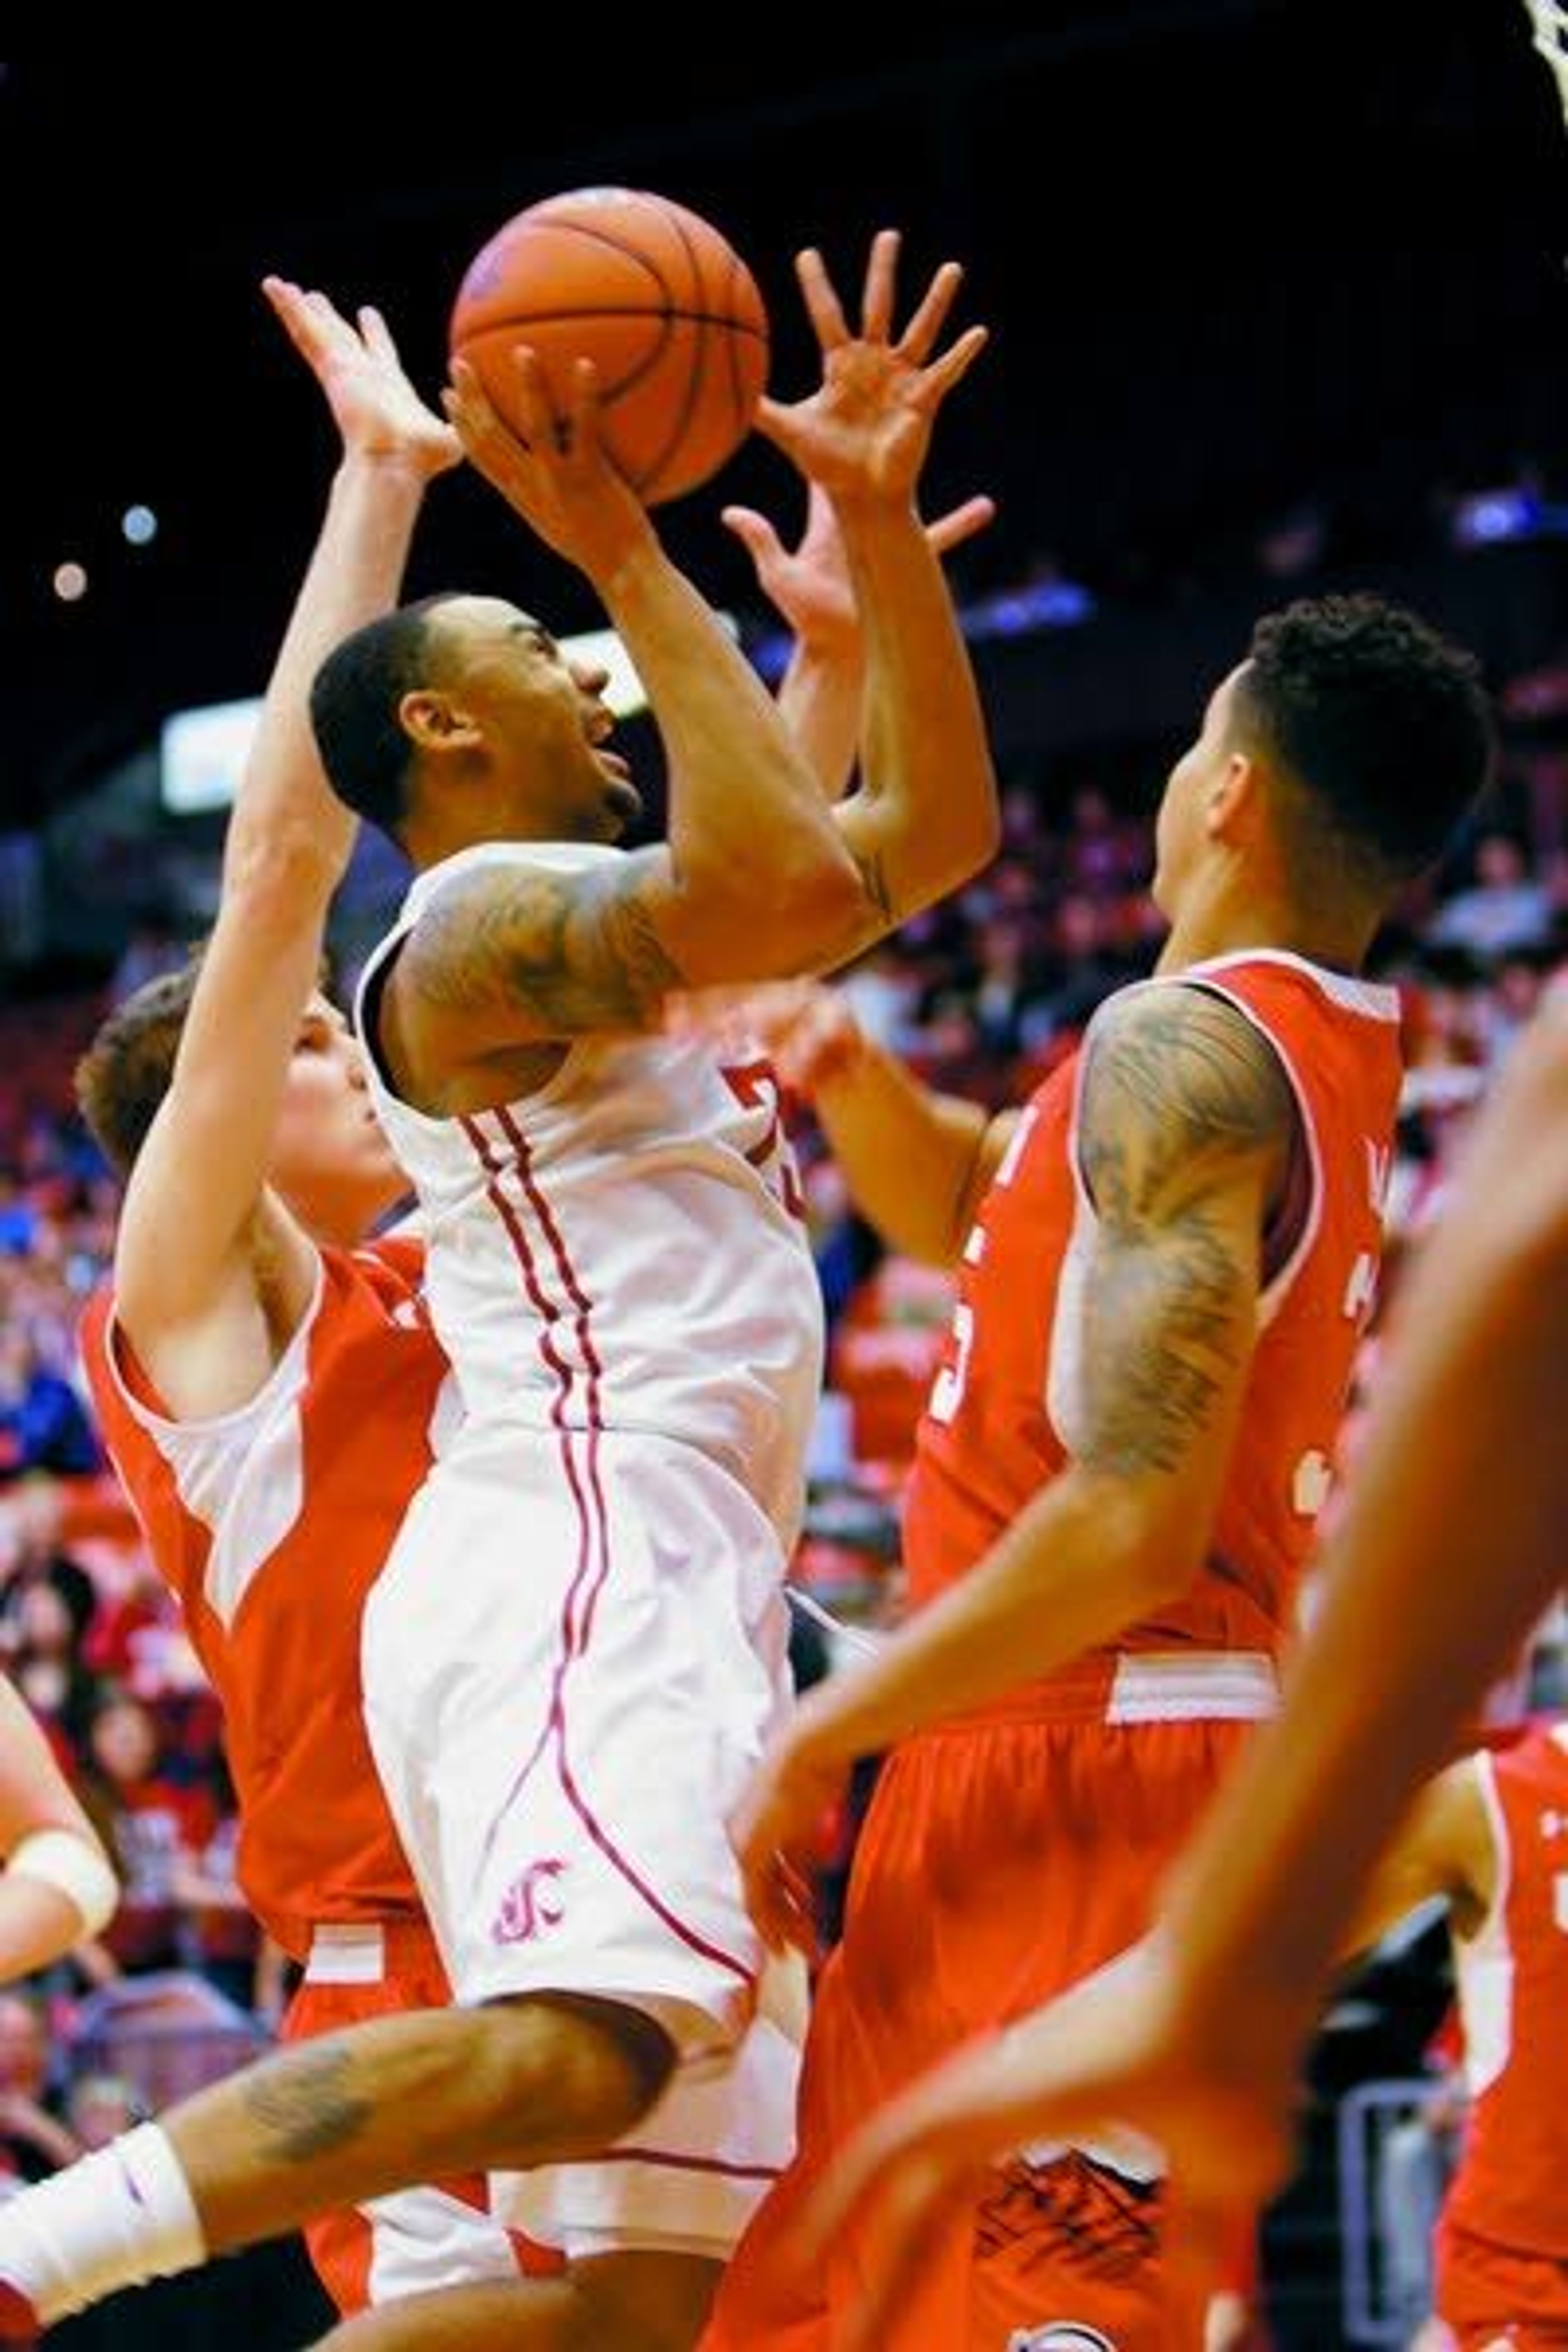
(118, 2218)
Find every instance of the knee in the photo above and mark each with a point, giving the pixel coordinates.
(640, 2302)
(607, 2063)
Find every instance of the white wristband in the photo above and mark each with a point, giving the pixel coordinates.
(60, 1859)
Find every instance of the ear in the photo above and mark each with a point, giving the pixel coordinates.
(1233, 796)
(434, 722)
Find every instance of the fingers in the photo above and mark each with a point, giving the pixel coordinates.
(823, 306)
(780, 1902)
(876, 298)
(943, 372)
(755, 533)
(961, 523)
(774, 420)
(923, 329)
(377, 335)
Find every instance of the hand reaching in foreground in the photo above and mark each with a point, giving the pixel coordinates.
(1123, 2051)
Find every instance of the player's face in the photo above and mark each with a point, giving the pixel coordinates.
(545, 722)
(330, 1158)
(1180, 832)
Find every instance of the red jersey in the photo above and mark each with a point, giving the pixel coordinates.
(271, 1524)
(1513, 1993)
(999, 1422)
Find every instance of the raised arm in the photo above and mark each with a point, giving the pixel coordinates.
(184, 1265)
(924, 817)
(1185, 1125)
(57, 1888)
(821, 691)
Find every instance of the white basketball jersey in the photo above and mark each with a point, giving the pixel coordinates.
(622, 1249)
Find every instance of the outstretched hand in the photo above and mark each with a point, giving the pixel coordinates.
(375, 407)
(865, 432)
(809, 584)
(1118, 2052)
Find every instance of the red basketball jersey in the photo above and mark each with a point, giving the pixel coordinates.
(270, 1525)
(1513, 1993)
(999, 1422)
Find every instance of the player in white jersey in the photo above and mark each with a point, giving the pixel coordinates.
(573, 1668)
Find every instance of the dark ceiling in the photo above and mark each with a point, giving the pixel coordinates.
(1230, 249)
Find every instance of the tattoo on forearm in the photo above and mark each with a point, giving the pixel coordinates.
(1183, 1103)
(304, 2104)
(571, 952)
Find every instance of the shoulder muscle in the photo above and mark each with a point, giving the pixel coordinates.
(525, 953)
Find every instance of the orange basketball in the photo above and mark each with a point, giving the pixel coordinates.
(652, 294)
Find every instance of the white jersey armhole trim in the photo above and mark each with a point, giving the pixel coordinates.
(558, 857)
(283, 1377)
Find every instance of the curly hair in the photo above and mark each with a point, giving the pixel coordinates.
(1382, 723)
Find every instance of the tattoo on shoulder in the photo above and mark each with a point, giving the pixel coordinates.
(567, 952)
(305, 2104)
(1182, 1100)
(1178, 1076)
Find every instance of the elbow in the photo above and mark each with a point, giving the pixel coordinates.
(818, 913)
(273, 860)
(274, 876)
(1158, 1553)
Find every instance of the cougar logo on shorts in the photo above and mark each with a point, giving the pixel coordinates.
(1059, 2336)
(530, 1904)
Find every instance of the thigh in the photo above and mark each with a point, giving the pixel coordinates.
(563, 1709)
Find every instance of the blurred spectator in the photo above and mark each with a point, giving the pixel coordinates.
(1506, 907)
(44, 1425)
(156, 1830)
(98, 2107)
(34, 2140)
(225, 1937)
(43, 1631)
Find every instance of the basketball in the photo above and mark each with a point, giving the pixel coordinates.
(655, 296)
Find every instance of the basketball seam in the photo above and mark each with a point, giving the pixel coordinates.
(664, 310)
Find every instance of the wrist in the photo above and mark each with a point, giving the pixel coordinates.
(821, 1737)
(391, 467)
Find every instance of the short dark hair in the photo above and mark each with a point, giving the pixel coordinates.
(353, 710)
(125, 1072)
(1382, 723)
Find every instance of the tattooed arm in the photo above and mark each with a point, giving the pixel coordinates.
(1186, 1124)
